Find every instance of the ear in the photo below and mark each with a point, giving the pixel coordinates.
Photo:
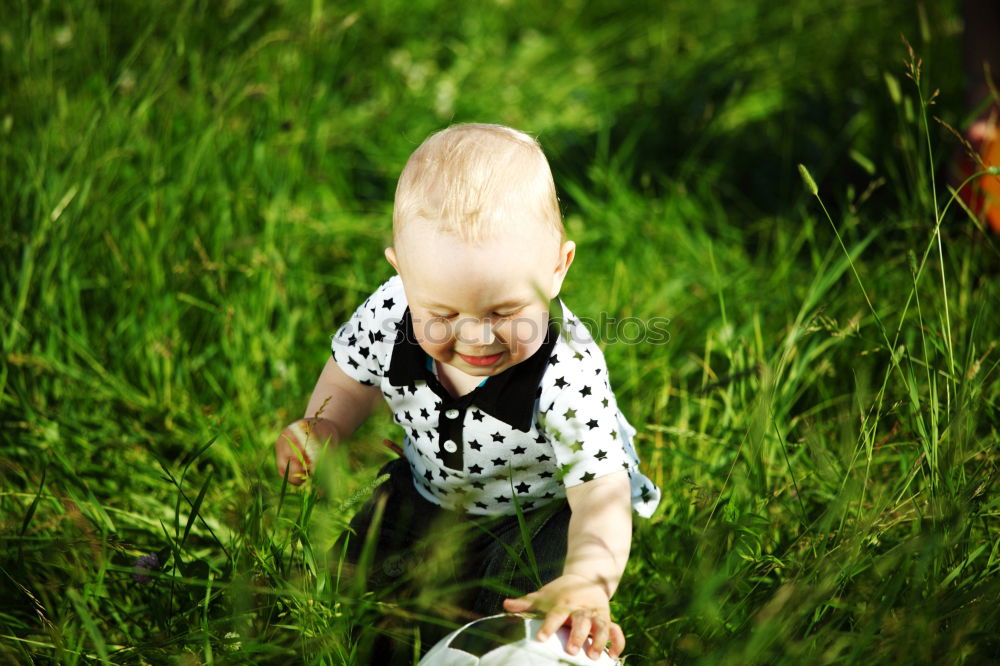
(390, 255)
(566, 255)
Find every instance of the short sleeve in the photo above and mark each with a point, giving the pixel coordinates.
(580, 415)
(363, 345)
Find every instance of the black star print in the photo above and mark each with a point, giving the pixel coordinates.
(625, 465)
(588, 476)
(412, 389)
(553, 359)
(543, 458)
(477, 415)
(424, 413)
(481, 505)
(497, 437)
(352, 341)
(502, 500)
(527, 505)
(406, 415)
(401, 391)
(429, 476)
(478, 485)
(354, 364)
(378, 336)
(592, 424)
(475, 445)
(597, 371)
(577, 446)
(443, 474)
(388, 303)
(604, 403)
(523, 487)
(475, 469)
(645, 493)
(548, 495)
(562, 383)
(499, 462)
(614, 434)
(386, 394)
(601, 455)
(540, 439)
(578, 356)
(545, 475)
(518, 449)
(367, 382)
(585, 391)
(570, 414)
(363, 351)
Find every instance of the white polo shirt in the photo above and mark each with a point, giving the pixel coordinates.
(522, 436)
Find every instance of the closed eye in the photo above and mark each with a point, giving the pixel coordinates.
(506, 315)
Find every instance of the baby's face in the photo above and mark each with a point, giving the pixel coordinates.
(480, 308)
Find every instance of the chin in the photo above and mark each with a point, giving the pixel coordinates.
(477, 371)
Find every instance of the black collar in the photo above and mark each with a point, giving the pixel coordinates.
(509, 396)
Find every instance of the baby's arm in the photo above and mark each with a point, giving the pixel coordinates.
(338, 405)
(600, 536)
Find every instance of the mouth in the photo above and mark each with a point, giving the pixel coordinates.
(481, 361)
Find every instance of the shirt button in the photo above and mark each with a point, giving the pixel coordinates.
(450, 446)
(451, 414)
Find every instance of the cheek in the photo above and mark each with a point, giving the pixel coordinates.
(523, 335)
(433, 336)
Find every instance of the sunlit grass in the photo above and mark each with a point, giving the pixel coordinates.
(192, 199)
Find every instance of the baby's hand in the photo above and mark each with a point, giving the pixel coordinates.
(292, 450)
(579, 602)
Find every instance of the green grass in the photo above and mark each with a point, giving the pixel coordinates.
(194, 195)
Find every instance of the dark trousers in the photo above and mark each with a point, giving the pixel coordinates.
(436, 563)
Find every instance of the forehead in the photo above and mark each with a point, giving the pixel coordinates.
(439, 268)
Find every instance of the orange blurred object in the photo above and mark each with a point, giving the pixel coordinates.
(982, 195)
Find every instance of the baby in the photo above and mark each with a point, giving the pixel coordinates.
(503, 395)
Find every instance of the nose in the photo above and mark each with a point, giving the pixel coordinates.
(475, 332)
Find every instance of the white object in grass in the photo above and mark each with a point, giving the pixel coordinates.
(500, 640)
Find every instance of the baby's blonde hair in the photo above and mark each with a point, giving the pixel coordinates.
(475, 180)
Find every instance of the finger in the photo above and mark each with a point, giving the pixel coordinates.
(582, 621)
(519, 605)
(296, 473)
(617, 640)
(599, 633)
(290, 449)
(553, 620)
(294, 444)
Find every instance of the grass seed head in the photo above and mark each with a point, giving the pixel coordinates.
(808, 180)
